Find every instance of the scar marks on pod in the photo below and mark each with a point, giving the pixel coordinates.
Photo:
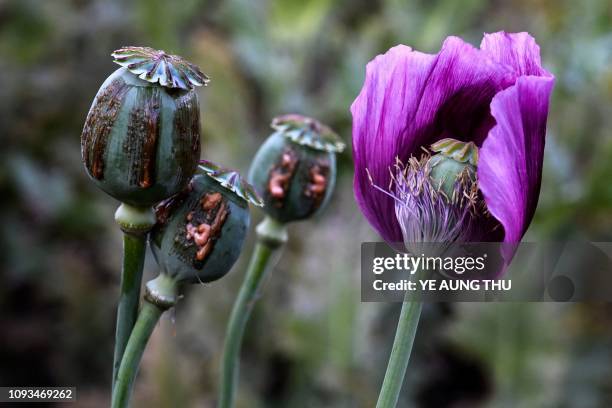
(140, 144)
(314, 179)
(204, 224)
(280, 177)
(187, 133)
(99, 124)
(164, 209)
(317, 183)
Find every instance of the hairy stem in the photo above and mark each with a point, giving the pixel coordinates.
(400, 353)
(271, 235)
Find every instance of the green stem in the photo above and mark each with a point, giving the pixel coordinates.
(400, 353)
(148, 318)
(271, 235)
(134, 247)
(160, 295)
(135, 222)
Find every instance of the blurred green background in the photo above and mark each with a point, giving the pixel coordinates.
(311, 342)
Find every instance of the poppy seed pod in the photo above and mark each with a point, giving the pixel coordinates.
(200, 231)
(141, 139)
(453, 162)
(295, 169)
(437, 198)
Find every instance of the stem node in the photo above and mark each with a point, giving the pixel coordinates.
(272, 233)
(135, 220)
(162, 292)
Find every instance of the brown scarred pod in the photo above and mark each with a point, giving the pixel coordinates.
(295, 169)
(141, 139)
(200, 232)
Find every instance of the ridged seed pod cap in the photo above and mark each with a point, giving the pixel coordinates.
(141, 139)
(200, 232)
(295, 169)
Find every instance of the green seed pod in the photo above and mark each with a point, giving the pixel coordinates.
(454, 162)
(295, 169)
(200, 231)
(141, 139)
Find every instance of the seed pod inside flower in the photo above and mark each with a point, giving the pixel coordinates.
(437, 198)
(200, 231)
(141, 139)
(295, 169)
(454, 162)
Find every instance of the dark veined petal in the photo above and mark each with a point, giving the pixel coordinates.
(517, 50)
(410, 100)
(510, 166)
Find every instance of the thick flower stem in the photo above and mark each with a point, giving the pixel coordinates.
(148, 318)
(135, 223)
(161, 294)
(134, 248)
(271, 235)
(400, 353)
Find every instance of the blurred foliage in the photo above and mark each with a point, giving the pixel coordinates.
(311, 343)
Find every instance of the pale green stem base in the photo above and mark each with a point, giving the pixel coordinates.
(400, 354)
(135, 223)
(271, 235)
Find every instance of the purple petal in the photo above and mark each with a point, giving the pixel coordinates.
(510, 165)
(408, 101)
(517, 50)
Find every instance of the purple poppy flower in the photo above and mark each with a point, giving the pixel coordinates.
(495, 97)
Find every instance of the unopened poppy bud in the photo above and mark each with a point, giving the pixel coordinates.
(295, 169)
(200, 232)
(141, 139)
